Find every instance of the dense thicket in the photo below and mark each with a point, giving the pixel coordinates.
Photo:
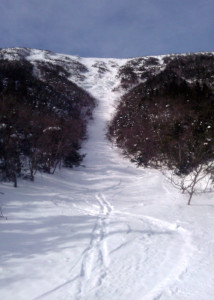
(198, 66)
(42, 118)
(168, 120)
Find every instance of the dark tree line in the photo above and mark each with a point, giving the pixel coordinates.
(42, 120)
(194, 66)
(169, 122)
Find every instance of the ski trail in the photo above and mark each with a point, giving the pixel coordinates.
(95, 260)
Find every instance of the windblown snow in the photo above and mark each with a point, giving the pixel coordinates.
(106, 230)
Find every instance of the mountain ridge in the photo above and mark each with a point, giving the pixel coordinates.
(59, 73)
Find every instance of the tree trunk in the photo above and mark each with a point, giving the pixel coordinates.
(190, 197)
(14, 180)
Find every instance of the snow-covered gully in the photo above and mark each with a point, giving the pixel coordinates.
(106, 230)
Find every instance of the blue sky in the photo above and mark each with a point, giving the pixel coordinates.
(108, 28)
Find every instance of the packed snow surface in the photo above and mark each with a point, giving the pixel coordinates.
(106, 230)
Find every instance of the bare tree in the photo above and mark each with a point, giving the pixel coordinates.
(190, 183)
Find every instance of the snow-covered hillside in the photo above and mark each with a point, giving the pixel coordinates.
(105, 230)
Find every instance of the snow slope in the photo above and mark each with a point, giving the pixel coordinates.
(105, 230)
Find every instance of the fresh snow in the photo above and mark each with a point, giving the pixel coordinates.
(106, 230)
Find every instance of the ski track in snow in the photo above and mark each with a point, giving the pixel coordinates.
(124, 254)
(95, 259)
